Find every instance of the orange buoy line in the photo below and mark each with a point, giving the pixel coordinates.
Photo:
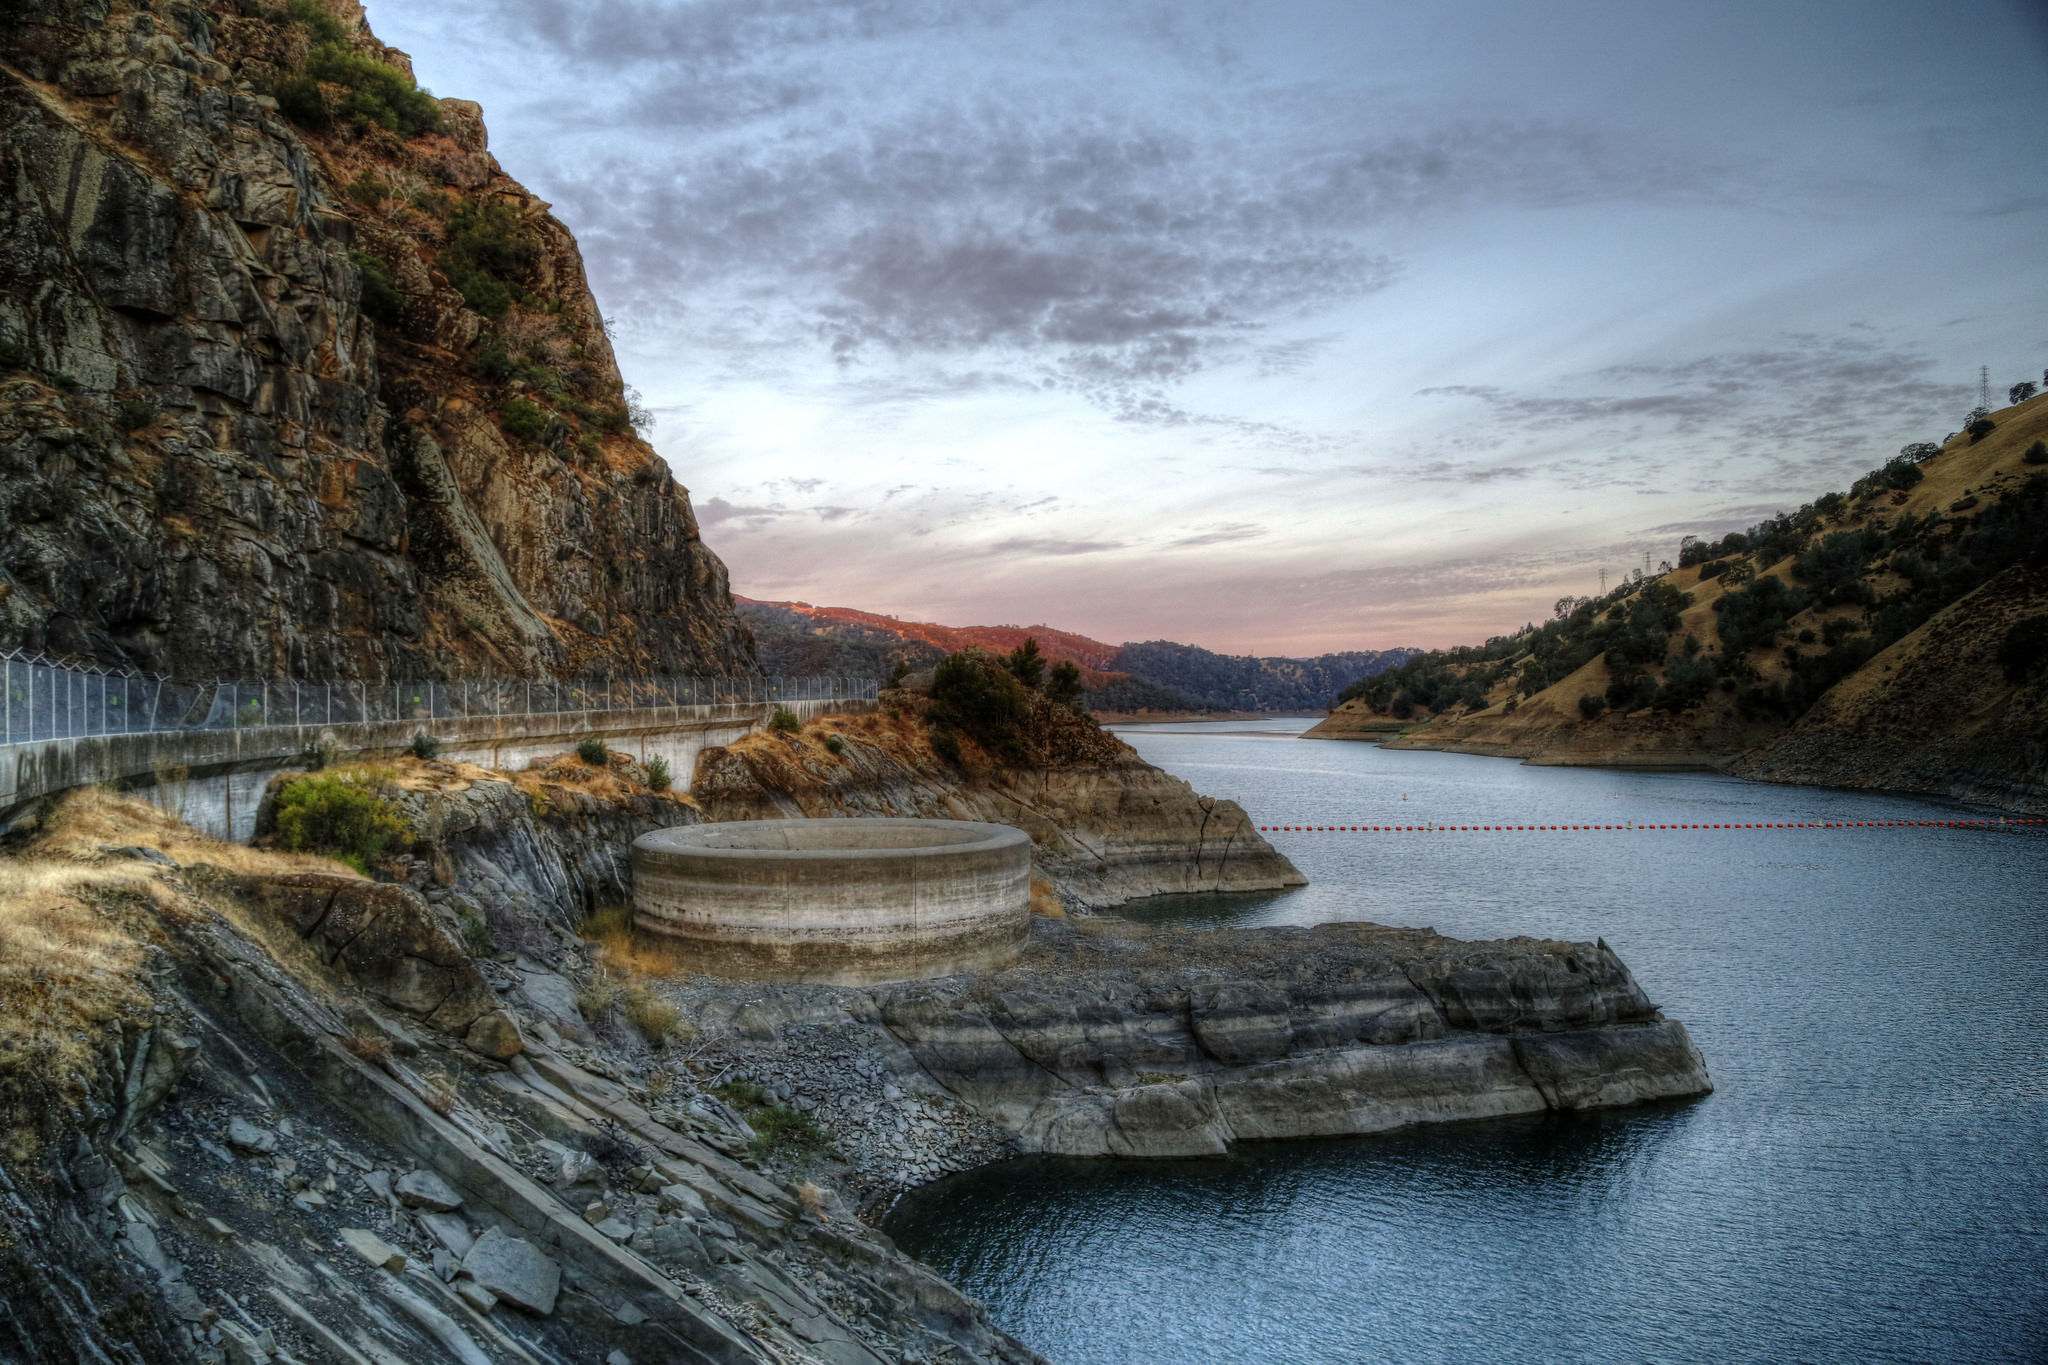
(2001, 822)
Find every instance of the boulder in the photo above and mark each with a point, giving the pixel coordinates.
(253, 1138)
(373, 1248)
(515, 1270)
(386, 941)
(425, 1190)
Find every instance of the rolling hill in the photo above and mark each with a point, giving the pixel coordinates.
(1894, 636)
(1152, 677)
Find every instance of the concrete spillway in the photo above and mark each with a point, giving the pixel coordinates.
(852, 901)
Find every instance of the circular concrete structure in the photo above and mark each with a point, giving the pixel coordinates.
(851, 901)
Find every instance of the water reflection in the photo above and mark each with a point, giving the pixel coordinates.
(1865, 1183)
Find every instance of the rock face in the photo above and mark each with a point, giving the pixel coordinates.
(1108, 827)
(386, 941)
(1120, 1042)
(213, 461)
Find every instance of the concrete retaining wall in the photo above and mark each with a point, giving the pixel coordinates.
(214, 779)
(849, 901)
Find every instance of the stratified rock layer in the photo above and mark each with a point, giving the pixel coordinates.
(1180, 1044)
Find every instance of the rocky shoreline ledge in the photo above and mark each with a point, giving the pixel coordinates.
(1110, 1038)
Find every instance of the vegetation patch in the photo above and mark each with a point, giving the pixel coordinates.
(340, 814)
(779, 1131)
(338, 84)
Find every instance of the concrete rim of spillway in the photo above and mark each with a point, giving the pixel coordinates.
(837, 840)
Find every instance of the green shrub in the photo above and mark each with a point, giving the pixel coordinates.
(594, 752)
(493, 361)
(382, 301)
(1980, 428)
(425, 746)
(2037, 453)
(338, 814)
(1026, 662)
(657, 774)
(481, 292)
(834, 745)
(1063, 684)
(324, 27)
(1591, 705)
(782, 1131)
(134, 414)
(373, 93)
(784, 721)
(524, 419)
(490, 252)
(299, 99)
(980, 696)
(946, 745)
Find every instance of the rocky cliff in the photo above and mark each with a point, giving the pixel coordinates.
(294, 380)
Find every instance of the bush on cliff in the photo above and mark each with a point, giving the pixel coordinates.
(784, 721)
(489, 255)
(979, 696)
(366, 91)
(338, 814)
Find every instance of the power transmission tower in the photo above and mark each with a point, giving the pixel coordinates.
(1984, 387)
(1603, 582)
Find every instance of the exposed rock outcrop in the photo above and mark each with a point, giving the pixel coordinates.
(1111, 1040)
(1108, 827)
(248, 427)
(325, 1182)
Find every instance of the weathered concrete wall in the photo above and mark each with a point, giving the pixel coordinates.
(851, 901)
(214, 779)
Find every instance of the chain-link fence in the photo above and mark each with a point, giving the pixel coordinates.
(50, 699)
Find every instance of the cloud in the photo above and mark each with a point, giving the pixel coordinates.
(1226, 534)
(1048, 546)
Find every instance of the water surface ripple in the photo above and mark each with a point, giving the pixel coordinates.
(1867, 1182)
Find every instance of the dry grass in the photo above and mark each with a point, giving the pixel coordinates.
(566, 772)
(812, 1196)
(1045, 901)
(596, 996)
(624, 950)
(93, 818)
(658, 1021)
(73, 946)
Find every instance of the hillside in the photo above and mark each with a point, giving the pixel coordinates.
(1893, 637)
(1153, 676)
(296, 381)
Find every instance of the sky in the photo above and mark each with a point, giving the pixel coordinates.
(1275, 328)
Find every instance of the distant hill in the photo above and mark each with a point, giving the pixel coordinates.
(1154, 676)
(1894, 636)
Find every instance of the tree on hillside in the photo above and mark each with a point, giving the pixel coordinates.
(1063, 684)
(1919, 452)
(2022, 391)
(1026, 662)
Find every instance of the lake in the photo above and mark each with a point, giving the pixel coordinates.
(1866, 1182)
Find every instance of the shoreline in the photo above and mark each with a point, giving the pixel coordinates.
(1707, 764)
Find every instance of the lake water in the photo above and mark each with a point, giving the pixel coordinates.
(1869, 1180)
